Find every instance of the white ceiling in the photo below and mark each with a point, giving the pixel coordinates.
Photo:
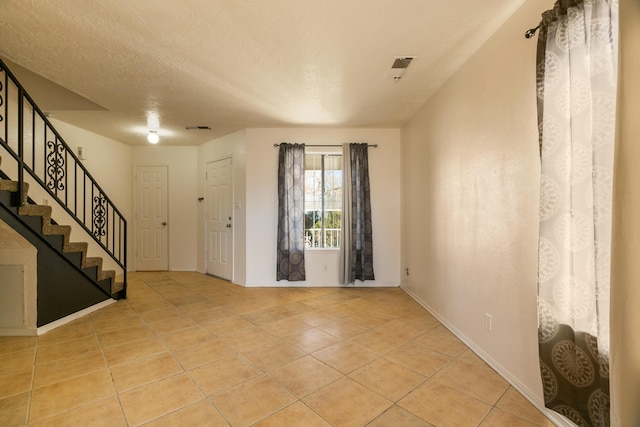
(237, 64)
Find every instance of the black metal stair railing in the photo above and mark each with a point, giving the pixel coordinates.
(28, 136)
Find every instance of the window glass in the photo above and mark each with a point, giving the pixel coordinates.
(323, 200)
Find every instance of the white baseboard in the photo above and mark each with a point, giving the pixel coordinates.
(70, 318)
(528, 394)
(17, 332)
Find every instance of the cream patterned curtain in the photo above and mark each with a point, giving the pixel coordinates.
(577, 67)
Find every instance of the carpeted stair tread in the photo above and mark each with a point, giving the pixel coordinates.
(64, 230)
(76, 247)
(92, 262)
(116, 287)
(36, 210)
(12, 186)
(107, 274)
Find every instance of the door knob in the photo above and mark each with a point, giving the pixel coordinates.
(228, 225)
(164, 223)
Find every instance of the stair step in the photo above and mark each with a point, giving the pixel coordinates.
(38, 217)
(76, 247)
(12, 187)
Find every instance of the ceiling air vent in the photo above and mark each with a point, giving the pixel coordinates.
(399, 67)
(198, 128)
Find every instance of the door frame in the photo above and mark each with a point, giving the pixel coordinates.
(135, 213)
(233, 221)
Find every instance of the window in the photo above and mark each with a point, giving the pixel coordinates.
(322, 200)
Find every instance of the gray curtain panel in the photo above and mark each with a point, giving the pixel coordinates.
(577, 59)
(356, 246)
(290, 246)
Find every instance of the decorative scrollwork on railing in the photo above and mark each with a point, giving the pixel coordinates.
(55, 165)
(99, 216)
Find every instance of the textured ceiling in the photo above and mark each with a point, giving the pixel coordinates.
(237, 64)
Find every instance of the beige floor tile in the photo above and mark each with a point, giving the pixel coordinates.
(211, 315)
(342, 328)
(222, 374)
(15, 383)
(478, 381)
(65, 369)
(388, 379)
(304, 376)
(499, 418)
(316, 317)
(296, 415)
(370, 318)
(347, 403)
(246, 340)
(147, 306)
(133, 350)
(276, 313)
(209, 350)
(66, 333)
(116, 321)
(106, 412)
(228, 326)
(13, 410)
(345, 357)
(285, 327)
(252, 401)
(273, 355)
(158, 315)
(201, 413)
(124, 336)
(378, 342)
(312, 340)
(402, 329)
(144, 371)
(444, 343)
(185, 338)
(342, 309)
(67, 350)
(447, 407)
(17, 361)
(419, 359)
(206, 305)
(396, 416)
(157, 399)
(308, 337)
(331, 299)
(421, 317)
(13, 344)
(515, 403)
(186, 299)
(171, 325)
(61, 397)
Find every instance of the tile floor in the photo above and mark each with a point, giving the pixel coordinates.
(187, 349)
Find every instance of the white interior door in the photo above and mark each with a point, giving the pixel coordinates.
(219, 222)
(151, 218)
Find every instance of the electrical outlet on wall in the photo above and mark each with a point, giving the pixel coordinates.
(488, 320)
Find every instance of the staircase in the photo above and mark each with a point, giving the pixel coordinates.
(68, 279)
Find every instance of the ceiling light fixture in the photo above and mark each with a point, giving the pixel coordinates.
(153, 137)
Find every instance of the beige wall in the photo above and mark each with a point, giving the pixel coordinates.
(229, 146)
(625, 280)
(471, 175)
(262, 205)
(109, 162)
(182, 164)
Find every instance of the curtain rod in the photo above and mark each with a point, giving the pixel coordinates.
(329, 145)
